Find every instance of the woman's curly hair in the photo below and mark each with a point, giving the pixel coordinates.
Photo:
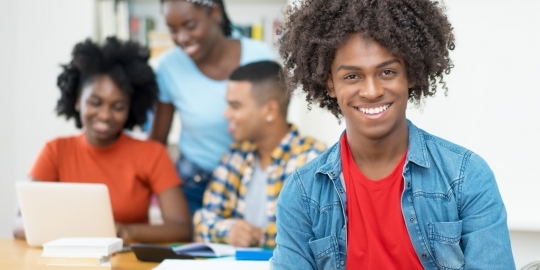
(416, 30)
(127, 65)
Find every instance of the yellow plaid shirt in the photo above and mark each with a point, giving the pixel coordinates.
(224, 202)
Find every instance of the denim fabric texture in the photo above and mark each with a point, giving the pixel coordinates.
(195, 179)
(451, 204)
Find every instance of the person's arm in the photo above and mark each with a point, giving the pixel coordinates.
(18, 227)
(161, 124)
(176, 225)
(214, 221)
(316, 148)
(294, 228)
(483, 217)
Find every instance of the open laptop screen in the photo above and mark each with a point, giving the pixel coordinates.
(52, 210)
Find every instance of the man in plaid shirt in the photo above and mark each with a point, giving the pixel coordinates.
(239, 203)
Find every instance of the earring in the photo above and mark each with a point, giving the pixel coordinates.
(269, 118)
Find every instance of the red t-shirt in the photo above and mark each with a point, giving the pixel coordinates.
(131, 169)
(377, 237)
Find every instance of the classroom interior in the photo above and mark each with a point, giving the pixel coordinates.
(492, 105)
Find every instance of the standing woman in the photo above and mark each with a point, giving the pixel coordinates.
(192, 80)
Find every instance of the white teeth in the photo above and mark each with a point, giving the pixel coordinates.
(374, 110)
(101, 126)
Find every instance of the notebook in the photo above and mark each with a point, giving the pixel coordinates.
(52, 210)
(209, 250)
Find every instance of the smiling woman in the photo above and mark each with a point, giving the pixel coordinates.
(192, 80)
(108, 89)
(104, 109)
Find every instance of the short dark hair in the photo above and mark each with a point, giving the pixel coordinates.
(127, 65)
(265, 76)
(226, 24)
(416, 30)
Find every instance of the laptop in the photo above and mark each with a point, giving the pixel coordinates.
(51, 210)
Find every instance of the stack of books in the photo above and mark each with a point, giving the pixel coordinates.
(87, 253)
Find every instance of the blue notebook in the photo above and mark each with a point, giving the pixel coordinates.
(254, 254)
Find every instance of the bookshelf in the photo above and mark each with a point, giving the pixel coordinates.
(142, 21)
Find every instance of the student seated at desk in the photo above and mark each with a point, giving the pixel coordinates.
(107, 89)
(239, 203)
(388, 195)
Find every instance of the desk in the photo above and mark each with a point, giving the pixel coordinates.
(16, 254)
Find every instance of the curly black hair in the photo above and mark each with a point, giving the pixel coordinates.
(127, 65)
(416, 30)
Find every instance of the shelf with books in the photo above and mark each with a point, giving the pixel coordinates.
(142, 21)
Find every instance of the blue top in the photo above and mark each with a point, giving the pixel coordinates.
(451, 206)
(200, 102)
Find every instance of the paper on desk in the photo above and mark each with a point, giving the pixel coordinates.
(212, 265)
(208, 250)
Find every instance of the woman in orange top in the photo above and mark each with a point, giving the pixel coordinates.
(108, 89)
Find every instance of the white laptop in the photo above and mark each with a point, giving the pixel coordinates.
(51, 210)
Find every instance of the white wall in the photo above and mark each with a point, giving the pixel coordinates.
(36, 37)
(8, 122)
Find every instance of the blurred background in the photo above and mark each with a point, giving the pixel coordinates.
(492, 106)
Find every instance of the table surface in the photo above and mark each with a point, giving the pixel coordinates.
(16, 254)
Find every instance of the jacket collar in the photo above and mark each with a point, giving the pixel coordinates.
(278, 152)
(417, 153)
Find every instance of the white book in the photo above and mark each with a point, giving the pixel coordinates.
(206, 250)
(212, 265)
(83, 247)
(74, 260)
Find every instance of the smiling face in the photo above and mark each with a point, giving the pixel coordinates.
(371, 88)
(245, 115)
(104, 110)
(195, 29)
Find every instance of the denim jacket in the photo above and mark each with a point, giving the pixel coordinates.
(451, 205)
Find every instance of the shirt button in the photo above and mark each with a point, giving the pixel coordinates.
(342, 262)
(408, 184)
(424, 255)
(197, 178)
(411, 219)
(341, 190)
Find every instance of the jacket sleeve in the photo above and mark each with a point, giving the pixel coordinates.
(294, 226)
(483, 217)
(213, 221)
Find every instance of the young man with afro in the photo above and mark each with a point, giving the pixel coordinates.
(388, 195)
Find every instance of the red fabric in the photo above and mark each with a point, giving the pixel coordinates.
(131, 169)
(376, 232)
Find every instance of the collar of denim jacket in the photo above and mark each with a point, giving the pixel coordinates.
(331, 161)
(417, 152)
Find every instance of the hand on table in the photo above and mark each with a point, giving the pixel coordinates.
(243, 234)
(122, 231)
